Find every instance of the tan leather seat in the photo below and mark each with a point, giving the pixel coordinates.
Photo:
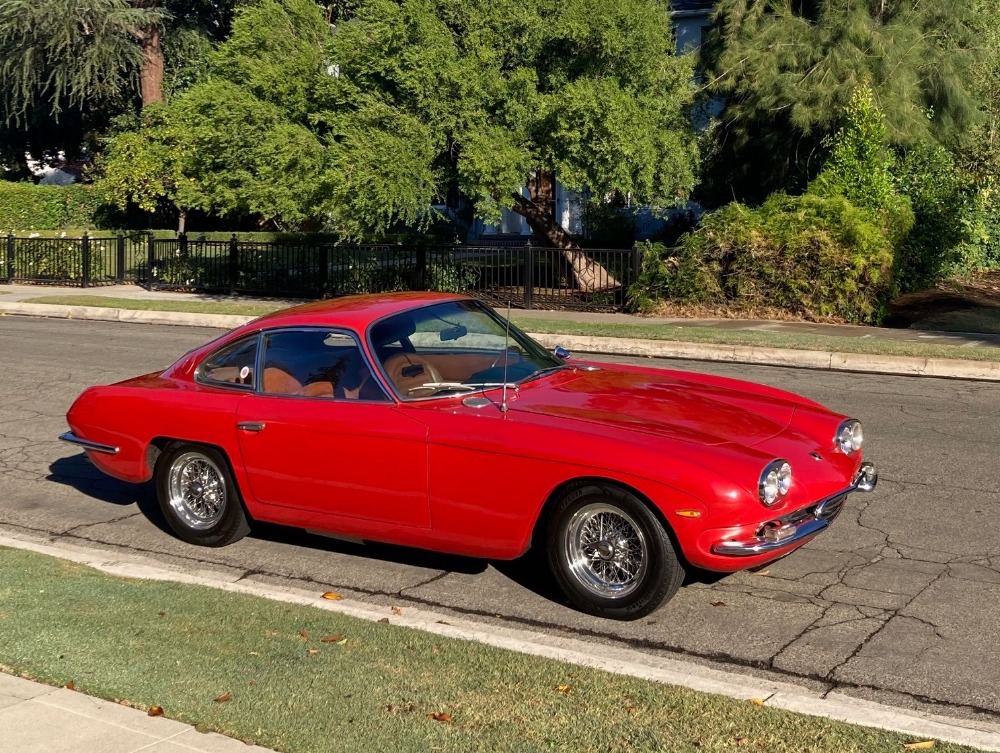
(280, 382)
(408, 370)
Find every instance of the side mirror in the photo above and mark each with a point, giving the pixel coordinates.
(560, 352)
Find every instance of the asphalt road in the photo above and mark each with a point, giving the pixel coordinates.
(899, 601)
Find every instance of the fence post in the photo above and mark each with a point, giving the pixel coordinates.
(85, 249)
(324, 270)
(420, 281)
(636, 262)
(150, 261)
(120, 258)
(234, 264)
(11, 248)
(529, 274)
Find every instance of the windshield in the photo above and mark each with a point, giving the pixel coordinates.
(456, 346)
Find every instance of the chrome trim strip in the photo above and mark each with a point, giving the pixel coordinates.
(806, 521)
(87, 444)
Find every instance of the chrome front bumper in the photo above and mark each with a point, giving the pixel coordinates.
(780, 533)
(87, 444)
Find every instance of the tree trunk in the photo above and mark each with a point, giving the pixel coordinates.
(151, 75)
(587, 275)
(181, 220)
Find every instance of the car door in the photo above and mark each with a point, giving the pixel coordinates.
(321, 435)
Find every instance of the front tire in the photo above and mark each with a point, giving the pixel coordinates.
(198, 496)
(610, 554)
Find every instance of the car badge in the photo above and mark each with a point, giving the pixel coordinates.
(815, 456)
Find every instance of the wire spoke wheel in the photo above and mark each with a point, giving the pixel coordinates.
(196, 490)
(606, 550)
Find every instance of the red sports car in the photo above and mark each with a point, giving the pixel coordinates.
(426, 420)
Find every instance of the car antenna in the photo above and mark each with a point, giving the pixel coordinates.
(506, 345)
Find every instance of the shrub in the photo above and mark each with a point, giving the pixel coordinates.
(25, 206)
(950, 233)
(811, 255)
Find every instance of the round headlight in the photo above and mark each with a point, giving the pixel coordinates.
(775, 481)
(850, 436)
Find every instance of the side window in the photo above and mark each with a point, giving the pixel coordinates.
(232, 365)
(317, 363)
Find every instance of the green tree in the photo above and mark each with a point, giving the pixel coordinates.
(67, 72)
(490, 95)
(243, 142)
(787, 68)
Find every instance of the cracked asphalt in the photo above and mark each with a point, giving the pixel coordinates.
(898, 602)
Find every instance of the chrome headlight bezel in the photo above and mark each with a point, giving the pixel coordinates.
(775, 481)
(850, 437)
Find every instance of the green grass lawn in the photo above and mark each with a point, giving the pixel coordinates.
(302, 679)
(669, 332)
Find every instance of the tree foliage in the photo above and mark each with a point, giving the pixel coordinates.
(484, 93)
(240, 142)
(786, 68)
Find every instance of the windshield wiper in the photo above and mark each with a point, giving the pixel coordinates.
(543, 372)
(434, 387)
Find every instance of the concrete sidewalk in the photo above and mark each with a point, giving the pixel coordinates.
(37, 718)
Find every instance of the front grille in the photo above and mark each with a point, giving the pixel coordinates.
(831, 508)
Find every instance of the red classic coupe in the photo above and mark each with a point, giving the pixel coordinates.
(426, 420)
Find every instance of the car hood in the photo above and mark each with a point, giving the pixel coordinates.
(658, 404)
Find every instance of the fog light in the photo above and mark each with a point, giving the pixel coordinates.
(867, 477)
(776, 535)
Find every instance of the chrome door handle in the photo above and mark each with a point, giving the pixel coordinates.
(250, 426)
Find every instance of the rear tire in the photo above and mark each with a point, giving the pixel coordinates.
(198, 496)
(610, 554)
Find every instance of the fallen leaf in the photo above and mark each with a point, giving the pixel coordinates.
(436, 649)
(384, 619)
(757, 701)
(161, 614)
(442, 622)
(562, 688)
(253, 683)
(397, 611)
(70, 685)
(718, 603)
(248, 741)
(741, 741)
(762, 572)
(227, 696)
(390, 708)
(304, 634)
(312, 651)
(154, 711)
(440, 717)
(332, 638)
(332, 596)
(923, 745)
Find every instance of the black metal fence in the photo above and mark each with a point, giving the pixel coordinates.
(526, 276)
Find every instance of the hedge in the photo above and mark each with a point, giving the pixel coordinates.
(28, 207)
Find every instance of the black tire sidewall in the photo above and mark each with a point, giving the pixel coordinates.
(231, 527)
(664, 572)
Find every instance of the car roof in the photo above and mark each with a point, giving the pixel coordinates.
(355, 311)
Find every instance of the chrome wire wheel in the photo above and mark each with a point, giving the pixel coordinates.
(196, 490)
(605, 550)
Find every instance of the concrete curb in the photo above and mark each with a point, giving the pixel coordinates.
(952, 368)
(835, 705)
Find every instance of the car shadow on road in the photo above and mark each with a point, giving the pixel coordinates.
(369, 549)
(79, 473)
